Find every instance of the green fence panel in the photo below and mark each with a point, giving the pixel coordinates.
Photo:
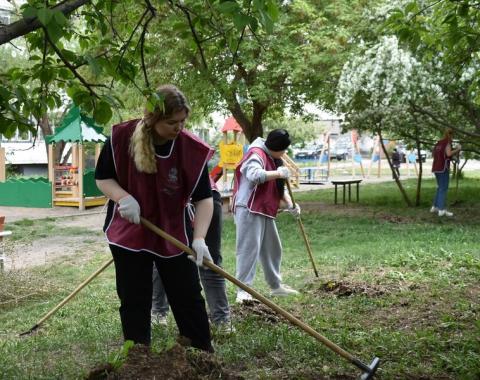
(90, 188)
(31, 192)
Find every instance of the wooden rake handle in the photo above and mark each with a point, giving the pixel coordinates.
(302, 229)
(254, 293)
(69, 297)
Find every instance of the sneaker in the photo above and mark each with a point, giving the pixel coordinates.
(223, 328)
(159, 319)
(283, 290)
(242, 295)
(433, 209)
(444, 213)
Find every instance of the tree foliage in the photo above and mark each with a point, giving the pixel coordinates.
(253, 57)
(444, 36)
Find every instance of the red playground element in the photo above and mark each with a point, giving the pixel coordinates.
(216, 173)
(231, 125)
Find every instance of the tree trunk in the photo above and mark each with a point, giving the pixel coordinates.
(397, 180)
(47, 130)
(251, 129)
(420, 169)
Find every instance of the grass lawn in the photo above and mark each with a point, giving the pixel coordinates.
(395, 282)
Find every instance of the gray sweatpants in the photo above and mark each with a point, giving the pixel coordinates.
(257, 238)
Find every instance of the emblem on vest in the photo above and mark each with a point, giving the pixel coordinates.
(173, 175)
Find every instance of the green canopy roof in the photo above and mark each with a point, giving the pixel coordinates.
(76, 127)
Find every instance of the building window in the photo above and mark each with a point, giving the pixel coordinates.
(4, 17)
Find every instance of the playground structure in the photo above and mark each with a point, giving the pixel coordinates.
(231, 152)
(356, 156)
(321, 172)
(69, 184)
(73, 184)
(377, 155)
(232, 148)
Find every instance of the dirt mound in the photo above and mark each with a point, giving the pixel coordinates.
(177, 363)
(345, 289)
(249, 308)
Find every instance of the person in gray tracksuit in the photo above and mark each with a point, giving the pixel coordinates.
(259, 191)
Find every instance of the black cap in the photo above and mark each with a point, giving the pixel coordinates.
(278, 140)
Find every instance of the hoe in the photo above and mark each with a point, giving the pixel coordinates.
(368, 370)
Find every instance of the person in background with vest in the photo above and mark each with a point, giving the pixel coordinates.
(153, 168)
(259, 191)
(213, 283)
(442, 154)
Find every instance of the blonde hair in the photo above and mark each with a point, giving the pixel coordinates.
(448, 134)
(141, 147)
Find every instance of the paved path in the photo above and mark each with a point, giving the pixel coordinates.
(16, 213)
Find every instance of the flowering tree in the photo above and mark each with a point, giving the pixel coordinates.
(376, 90)
(445, 36)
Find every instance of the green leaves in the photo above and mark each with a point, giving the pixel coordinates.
(102, 112)
(44, 15)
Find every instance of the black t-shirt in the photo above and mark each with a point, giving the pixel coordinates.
(105, 169)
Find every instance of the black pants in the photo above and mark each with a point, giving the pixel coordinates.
(396, 169)
(181, 281)
(213, 283)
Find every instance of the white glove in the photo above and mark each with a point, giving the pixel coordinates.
(201, 250)
(283, 172)
(295, 211)
(129, 209)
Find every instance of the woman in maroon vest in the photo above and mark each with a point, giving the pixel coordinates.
(153, 167)
(442, 153)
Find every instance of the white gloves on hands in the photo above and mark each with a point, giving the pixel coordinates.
(201, 251)
(129, 209)
(295, 211)
(283, 172)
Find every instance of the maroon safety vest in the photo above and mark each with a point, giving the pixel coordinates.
(440, 160)
(162, 196)
(265, 197)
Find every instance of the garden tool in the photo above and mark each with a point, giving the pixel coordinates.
(73, 294)
(368, 370)
(302, 229)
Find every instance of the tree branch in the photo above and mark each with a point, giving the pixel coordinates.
(196, 39)
(440, 121)
(27, 25)
(153, 12)
(69, 65)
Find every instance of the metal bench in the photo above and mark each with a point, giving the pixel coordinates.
(313, 174)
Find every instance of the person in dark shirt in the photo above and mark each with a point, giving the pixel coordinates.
(152, 167)
(396, 161)
(212, 282)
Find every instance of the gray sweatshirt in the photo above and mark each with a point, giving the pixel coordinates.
(252, 172)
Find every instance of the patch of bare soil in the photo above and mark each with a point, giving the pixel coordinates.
(346, 289)
(255, 308)
(177, 363)
(45, 250)
(392, 218)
